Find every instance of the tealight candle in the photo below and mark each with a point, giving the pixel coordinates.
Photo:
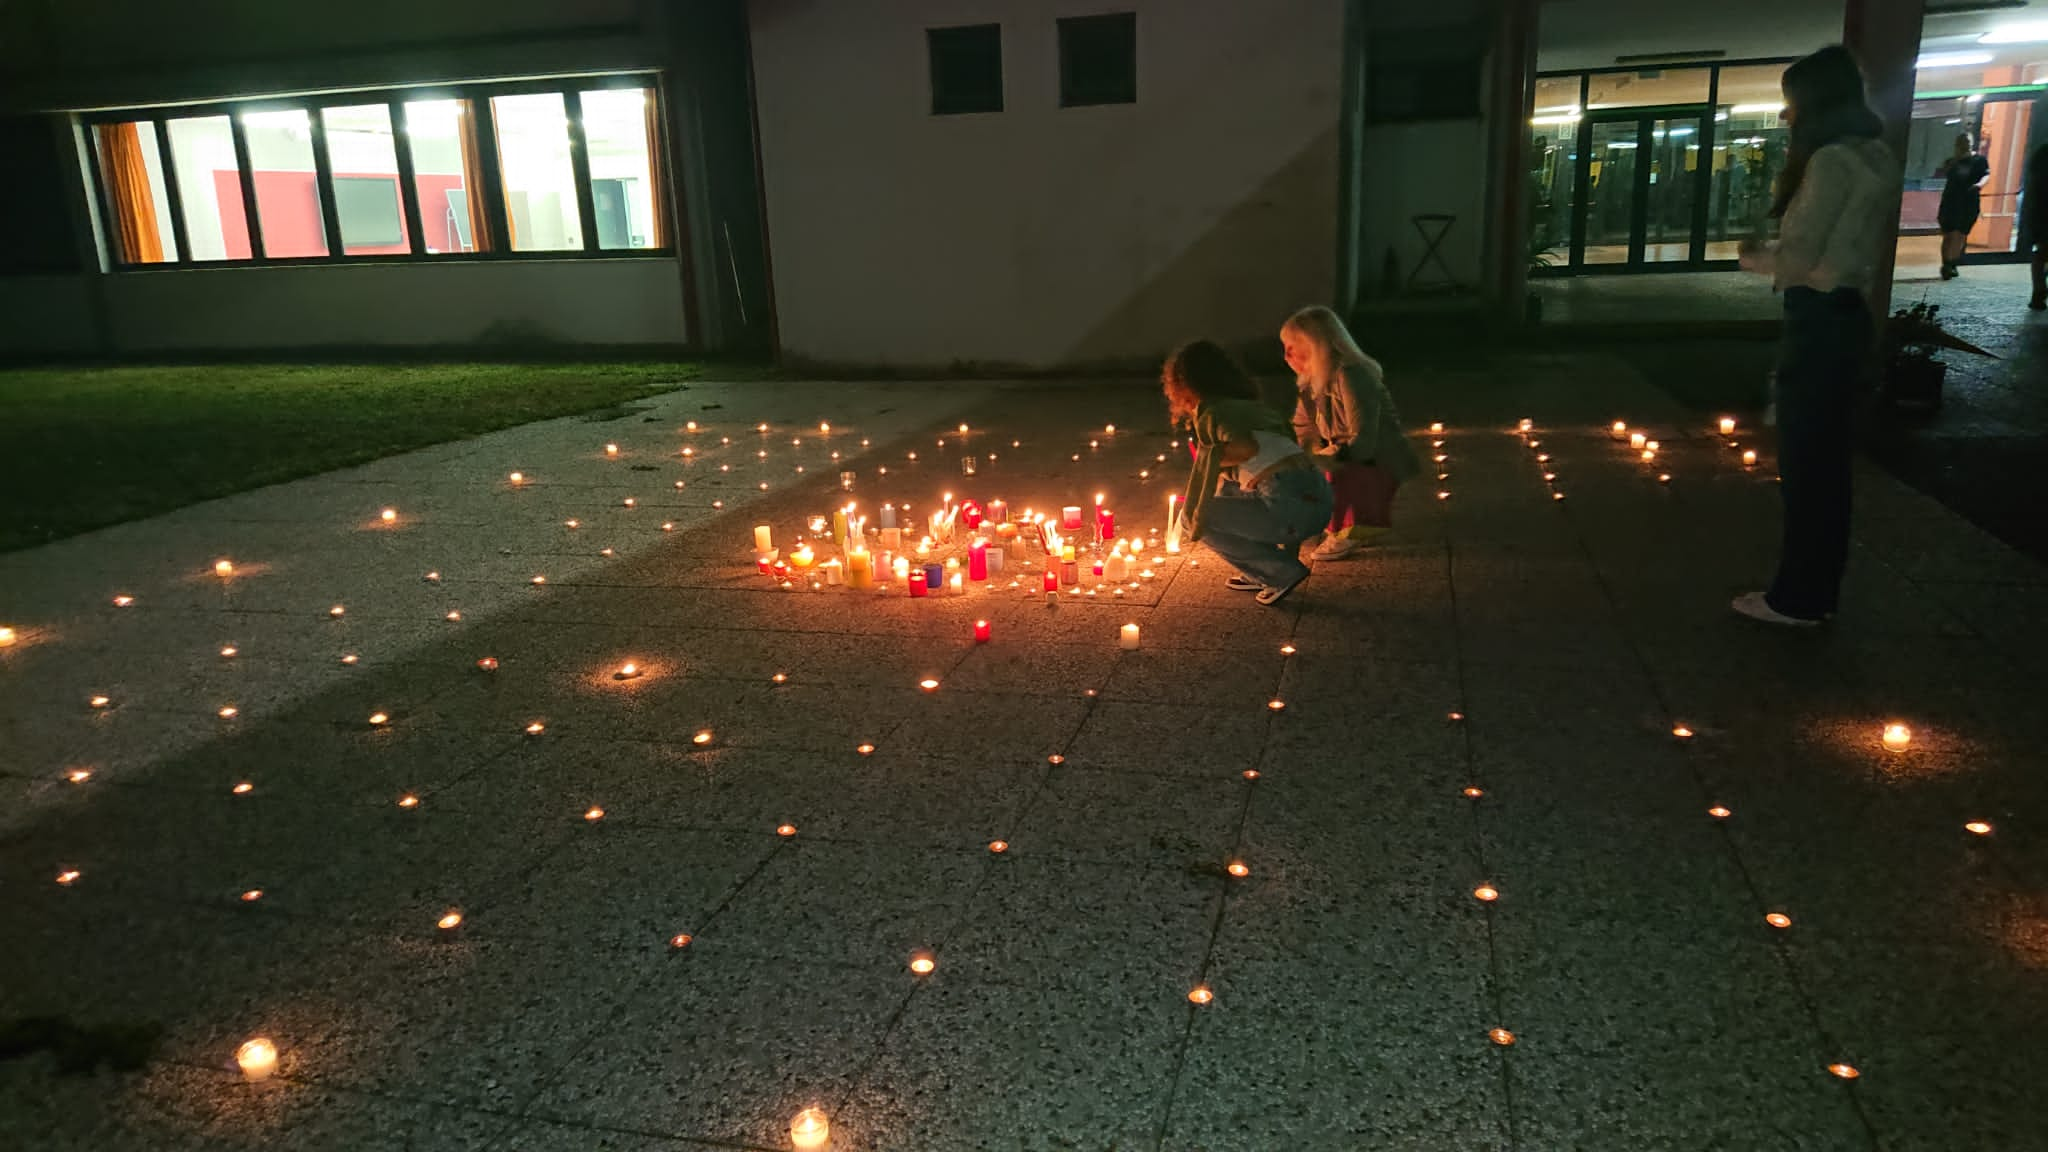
(1436, 428)
(1620, 429)
(223, 568)
(810, 1130)
(1127, 638)
(1897, 736)
(1637, 440)
(6, 637)
(1727, 426)
(1749, 458)
(517, 477)
(802, 557)
(388, 515)
(257, 1058)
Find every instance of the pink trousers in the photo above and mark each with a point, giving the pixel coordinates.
(1364, 499)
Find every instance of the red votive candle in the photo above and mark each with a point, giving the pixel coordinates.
(1105, 524)
(1052, 579)
(981, 632)
(917, 587)
(970, 515)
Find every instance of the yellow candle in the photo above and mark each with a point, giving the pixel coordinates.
(802, 557)
(860, 571)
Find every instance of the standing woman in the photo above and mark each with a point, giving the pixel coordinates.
(1836, 205)
(1278, 498)
(1960, 201)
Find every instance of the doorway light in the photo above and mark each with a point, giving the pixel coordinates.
(1952, 59)
(1757, 109)
(2033, 32)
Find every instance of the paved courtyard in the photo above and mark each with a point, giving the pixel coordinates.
(1540, 848)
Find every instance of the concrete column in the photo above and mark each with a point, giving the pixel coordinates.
(1511, 71)
(1885, 36)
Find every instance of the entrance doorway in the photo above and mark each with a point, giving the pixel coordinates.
(1641, 175)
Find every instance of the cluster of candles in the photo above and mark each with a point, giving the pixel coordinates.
(963, 544)
(1647, 449)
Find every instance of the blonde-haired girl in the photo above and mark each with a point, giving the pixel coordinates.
(1344, 415)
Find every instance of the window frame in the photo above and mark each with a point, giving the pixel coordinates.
(156, 119)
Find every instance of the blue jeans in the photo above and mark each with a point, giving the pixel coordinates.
(1260, 530)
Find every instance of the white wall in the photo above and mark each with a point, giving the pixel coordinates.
(1041, 236)
(515, 304)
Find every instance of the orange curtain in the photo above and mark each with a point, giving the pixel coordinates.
(127, 178)
(657, 187)
(472, 177)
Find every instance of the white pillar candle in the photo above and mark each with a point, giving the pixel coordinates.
(959, 583)
(1128, 641)
(888, 516)
(902, 568)
(995, 561)
(764, 538)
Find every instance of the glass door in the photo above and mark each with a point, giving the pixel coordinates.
(1642, 177)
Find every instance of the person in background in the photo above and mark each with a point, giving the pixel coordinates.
(2034, 224)
(1960, 201)
(1253, 495)
(1344, 416)
(1836, 208)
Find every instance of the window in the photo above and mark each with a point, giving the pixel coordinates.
(486, 170)
(538, 175)
(967, 69)
(1099, 60)
(1651, 87)
(362, 158)
(139, 229)
(287, 188)
(442, 137)
(622, 134)
(209, 181)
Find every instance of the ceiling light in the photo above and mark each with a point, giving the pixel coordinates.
(2030, 33)
(1952, 59)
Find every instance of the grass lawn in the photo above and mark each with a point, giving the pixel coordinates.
(85, 447)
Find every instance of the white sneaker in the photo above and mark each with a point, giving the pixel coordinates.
(1754, 606)
(1336, 548)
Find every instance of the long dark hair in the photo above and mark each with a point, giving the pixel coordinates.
(1825, 94)
(1210, 372)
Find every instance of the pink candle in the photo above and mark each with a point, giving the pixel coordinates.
(917, 587)
(981, 632)
(977, 561)
(1070, 517)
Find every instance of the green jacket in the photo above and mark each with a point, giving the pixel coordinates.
(1216, 423)
(1356, 419)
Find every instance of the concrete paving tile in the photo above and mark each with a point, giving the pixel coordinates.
(1138, 820)
(1333, 1079)
(853, 903)
(954, 1074)
(1219, 679)
(170, 1107)
(311, 1116)
(1044, 922)
(625, 887)
(721, 1046)
(921, 800)
(988, 727)
(1175, 739)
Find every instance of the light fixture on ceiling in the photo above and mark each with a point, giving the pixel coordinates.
(2033, 32)
(1651, 58)
(1757, 109)
(1952, 59)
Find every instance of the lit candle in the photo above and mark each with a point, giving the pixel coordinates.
(257, 1058)
(1128, 639)
(802, 557)
(892, 539)
(223, 568)
(901, 568)
(764, 538)
(1897, 736)
(1105, 525)
(1727, 426)
(981, 632)
(1052, 580)
(917, 582)
(1070, 518)
(999, 511)
(995, 560)
(860, 573)
(957, 583)
(1436, 427)
(6, 637)
(888, 516)
(832, 571)
(1620, 429)
(517, 477)
(977, 560)
(1749, 458)
(810, 1130)
(1636, 440)
(839, 526)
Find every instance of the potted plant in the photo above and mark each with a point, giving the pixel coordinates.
(1913, 369)
(1539, 259)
